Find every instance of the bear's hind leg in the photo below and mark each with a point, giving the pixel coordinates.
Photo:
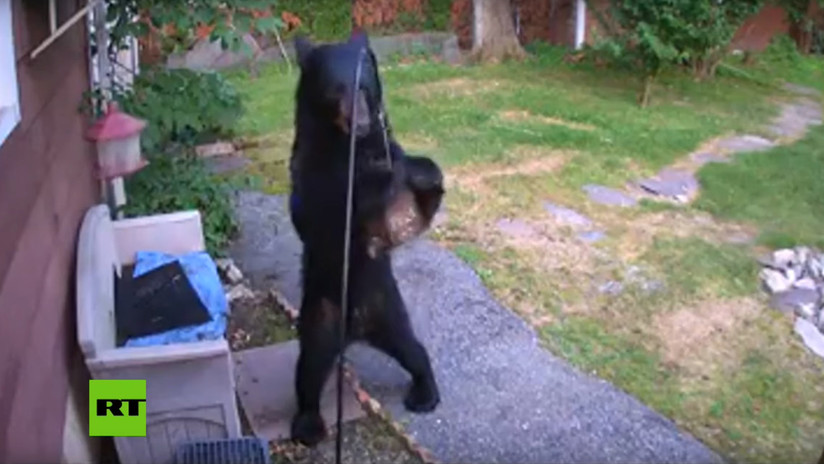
(319, 348)
(395, 337)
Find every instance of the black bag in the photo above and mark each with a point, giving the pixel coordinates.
(159, 300)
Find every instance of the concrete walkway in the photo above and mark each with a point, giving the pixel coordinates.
(504, 398)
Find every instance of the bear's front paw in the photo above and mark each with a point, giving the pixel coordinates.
(308, 428)
(422, 397)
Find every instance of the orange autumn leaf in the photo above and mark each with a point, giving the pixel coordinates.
(291, 19)
(204, 30)
(169, 29)
(261, 13)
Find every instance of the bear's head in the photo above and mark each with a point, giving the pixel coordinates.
(326, 87)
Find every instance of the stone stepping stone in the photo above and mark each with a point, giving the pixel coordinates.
(566, 215)
(592, 236)
(609, 196)
(802, 90)
(739, 238)
(795, 118)
(702, 158)
(801, 300)
(673, 183)
(516, 228)
(224, 164)
(612, 287)
(745, 143)
(266, 387)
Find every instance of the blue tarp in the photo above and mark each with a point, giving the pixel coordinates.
(202, 273)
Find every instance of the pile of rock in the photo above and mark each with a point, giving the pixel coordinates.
(232, 279)
(794, 277)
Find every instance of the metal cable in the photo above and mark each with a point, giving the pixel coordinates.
(346, 244)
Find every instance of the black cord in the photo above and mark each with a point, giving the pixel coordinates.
(346, 244)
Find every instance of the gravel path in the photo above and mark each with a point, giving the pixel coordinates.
(504, 398)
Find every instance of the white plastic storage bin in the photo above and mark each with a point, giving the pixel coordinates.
(190, 387)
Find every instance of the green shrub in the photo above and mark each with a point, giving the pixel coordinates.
(323, 20)
(650, 35)
(438, 15)
(782, 51)
(182, 107)
(175, 183)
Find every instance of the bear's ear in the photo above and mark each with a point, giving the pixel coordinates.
(359, 39)
(303, 47)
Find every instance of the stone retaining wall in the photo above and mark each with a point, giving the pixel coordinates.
(209, 55)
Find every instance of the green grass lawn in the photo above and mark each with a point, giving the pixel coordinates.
(703, 348)
(781, 191)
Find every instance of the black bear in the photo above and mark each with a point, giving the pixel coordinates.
(395, 197)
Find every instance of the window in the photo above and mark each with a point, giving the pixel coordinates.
(9, 97)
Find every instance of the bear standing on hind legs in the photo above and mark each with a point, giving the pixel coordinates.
(395, 198)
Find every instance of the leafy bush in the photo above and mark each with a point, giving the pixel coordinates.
(782, 51)
(438, 15)
(182, 106)
(323, 20)
(177, 24)
(174, 183)
(652, 34)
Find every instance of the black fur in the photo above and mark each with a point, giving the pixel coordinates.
(319, 168)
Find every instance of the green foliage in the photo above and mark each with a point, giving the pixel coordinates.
(438, 14)
(709, 31)
(650, 35)
(174, 183)
(798, 15)
(782, 51)
(227, 20)
(324, 20)
(797, 11)
(181, 106)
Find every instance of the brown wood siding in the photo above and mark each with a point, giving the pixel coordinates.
(46, 185)
(757, 32)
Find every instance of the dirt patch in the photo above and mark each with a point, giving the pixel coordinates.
(550, 246)
(456, 87)
(473, 176)
(639, 232)
(281, 139)
(415, 141)
(526, 116)
(365, 440)
(706, 333)
(258, 321)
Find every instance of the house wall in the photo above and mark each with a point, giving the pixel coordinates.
(757, 32)
(554, 22)
(46, 185)
(376, 13)
(547, 20)
(551, 21)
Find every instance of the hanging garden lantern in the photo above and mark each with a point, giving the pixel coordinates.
(117, 136)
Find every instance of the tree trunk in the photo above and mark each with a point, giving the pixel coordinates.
(646, 92)
(494, 37)
(802, 35)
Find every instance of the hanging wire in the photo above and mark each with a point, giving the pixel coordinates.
(346, 244)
